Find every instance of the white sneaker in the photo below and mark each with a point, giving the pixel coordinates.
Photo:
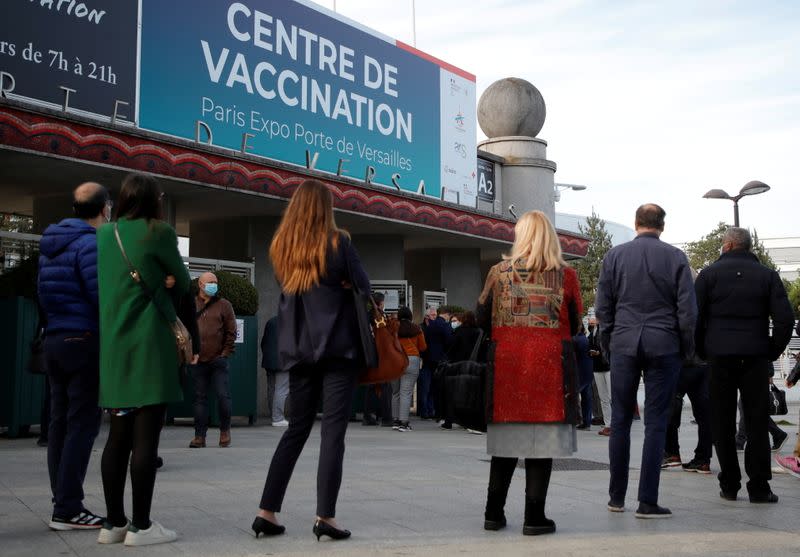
(112, 534)
(153, 535)
(282, 423)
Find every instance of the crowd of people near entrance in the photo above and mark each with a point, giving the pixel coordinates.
(116, 299)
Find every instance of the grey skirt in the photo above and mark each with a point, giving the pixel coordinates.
(531, 440)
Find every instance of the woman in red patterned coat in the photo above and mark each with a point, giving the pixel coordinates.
(532, 304)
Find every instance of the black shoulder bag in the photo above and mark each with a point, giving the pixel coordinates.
(366, 336)
(465, 389)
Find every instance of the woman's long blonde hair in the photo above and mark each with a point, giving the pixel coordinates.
(300, 245)
(536, 242)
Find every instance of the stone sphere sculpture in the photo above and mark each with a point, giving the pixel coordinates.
(511, 106)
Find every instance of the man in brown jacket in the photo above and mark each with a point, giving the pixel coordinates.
(217, 325)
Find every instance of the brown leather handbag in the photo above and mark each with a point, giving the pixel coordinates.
(392, 359)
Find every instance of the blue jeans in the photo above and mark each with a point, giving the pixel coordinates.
(585, 383)
(73, 374)
(206, 373)
(424, 393)
(660, 377)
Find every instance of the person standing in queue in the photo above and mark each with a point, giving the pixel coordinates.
(745, 322)
(378, 397)
(69, 305)
(602, 377)
(413, 341)
(216, 322)
(531, 304)
(646, 303)
(139, 367)
(319, 344)
(585, 377)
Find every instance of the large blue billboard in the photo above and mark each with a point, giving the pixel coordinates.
(295, 78)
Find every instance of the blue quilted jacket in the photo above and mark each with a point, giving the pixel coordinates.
(68, 276)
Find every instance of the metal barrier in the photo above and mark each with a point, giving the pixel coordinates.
(198, 265)
(16, 247)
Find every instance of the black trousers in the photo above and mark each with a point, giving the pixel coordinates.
(133, 437)
(333, 381)
(750, 377)
(693, 381)
(378, 401)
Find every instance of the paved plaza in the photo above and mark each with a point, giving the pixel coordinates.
(404, 494)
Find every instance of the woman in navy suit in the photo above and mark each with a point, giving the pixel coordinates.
(319, 344)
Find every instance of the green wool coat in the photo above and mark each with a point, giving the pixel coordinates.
(138, 357)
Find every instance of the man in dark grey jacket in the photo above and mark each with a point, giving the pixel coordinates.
(646, 301)
(737, 297)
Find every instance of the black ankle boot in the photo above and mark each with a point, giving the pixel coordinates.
(494, 517)
(536, 523)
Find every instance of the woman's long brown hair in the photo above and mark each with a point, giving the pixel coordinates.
(300, 244)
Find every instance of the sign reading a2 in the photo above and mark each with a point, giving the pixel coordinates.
(485, 180)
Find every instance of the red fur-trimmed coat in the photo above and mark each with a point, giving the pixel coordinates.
(534, 316)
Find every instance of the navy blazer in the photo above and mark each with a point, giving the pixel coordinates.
(437, 336)
(645, 297)
(737, 296)
(321, 323)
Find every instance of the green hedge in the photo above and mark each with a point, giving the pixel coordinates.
(242, 295)
(452, 309)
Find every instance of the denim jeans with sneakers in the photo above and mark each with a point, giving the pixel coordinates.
(73, 376)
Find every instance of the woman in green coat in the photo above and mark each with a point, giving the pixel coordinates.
(138, 356)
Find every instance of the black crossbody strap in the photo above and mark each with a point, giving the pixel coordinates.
(136, 276)
(474, 356)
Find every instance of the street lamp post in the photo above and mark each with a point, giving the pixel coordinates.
(750, 188)
(561, 187)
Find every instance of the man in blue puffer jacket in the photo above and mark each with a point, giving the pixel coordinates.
(68, 296)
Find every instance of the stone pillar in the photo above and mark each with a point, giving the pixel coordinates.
(511, 112)
(528, 177)
(381, 256)
(423, 272)
(461, 276)
(261, 230)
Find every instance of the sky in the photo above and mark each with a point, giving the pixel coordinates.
(646, 101)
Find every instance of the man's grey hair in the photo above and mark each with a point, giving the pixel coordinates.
(739, 238)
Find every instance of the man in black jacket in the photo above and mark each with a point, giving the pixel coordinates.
(737, 297)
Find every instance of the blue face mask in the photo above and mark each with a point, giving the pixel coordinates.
(211, 288)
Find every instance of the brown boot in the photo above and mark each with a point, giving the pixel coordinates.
(198, 442)
(225, 438)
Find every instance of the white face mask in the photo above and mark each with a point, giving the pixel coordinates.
(455, 324)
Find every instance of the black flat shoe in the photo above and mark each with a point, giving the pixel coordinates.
(494, 525)
(768, 497)
(264, 526)
(322, 528)
(546, 526)
(728, 495)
